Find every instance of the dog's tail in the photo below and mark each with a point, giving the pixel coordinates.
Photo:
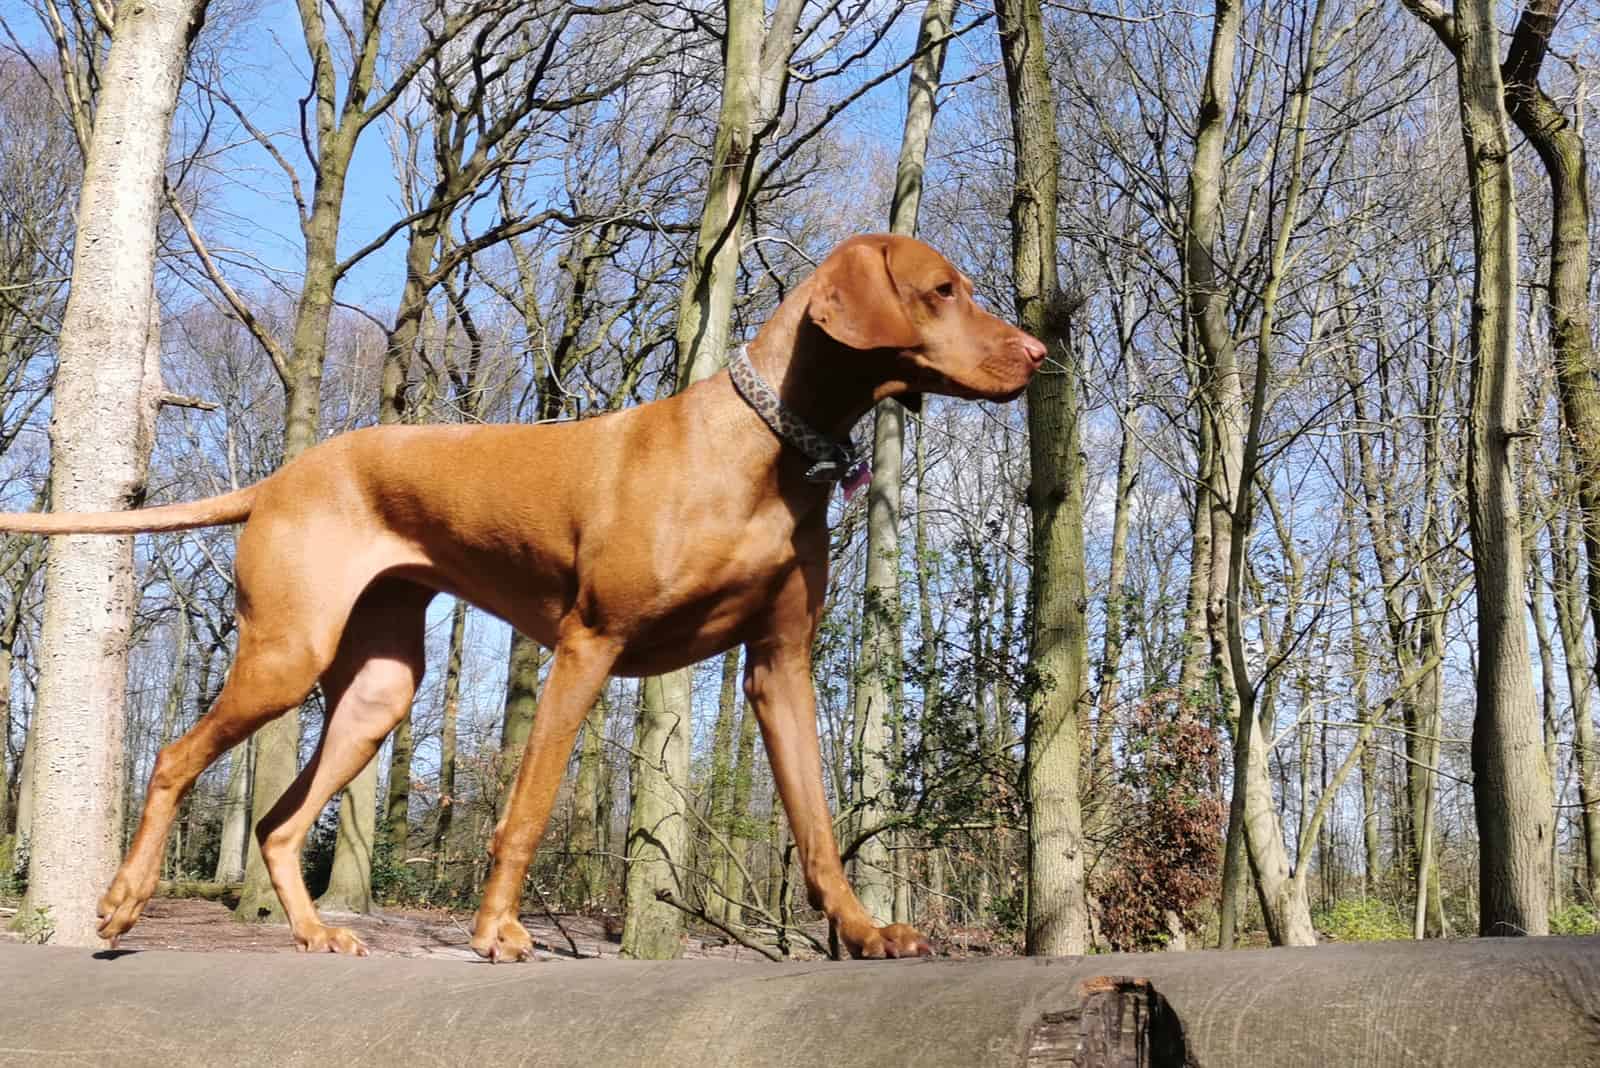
(213, 511)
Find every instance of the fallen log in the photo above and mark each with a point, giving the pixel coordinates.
(1533, 1001)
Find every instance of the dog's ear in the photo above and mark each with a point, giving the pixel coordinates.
(911, 402)
(855, 302)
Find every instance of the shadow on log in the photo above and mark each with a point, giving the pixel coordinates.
(1499, 1002)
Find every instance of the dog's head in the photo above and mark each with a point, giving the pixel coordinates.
(898, 298)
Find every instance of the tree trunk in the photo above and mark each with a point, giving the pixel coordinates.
(1058, 912)
(278, 742)
(754, 80)
(720, 802)
(176, 685)
(738, 828)
(107, 390)
(1511, 781)
(658, 828)
(877, 694)
(350, 882)
(878, 668)
(1562, 150)
(235, 816)
(1221, 411)
(1585, 756)
(447, 743)
(25, 777)
(589, 865)
(523, 663)
(1116, 596)
(8, 642)
(397, 794)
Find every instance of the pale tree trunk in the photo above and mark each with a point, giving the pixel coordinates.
(350, 881)
(589, 866)
(1282, 891)
(107, 390)
(1585, 755)
(524, 661)
(720, 806)
(737, 830)
(169, 722)
(754, 81)
(9, 625)
(24, 814)
(447, 743)
(1058, 910)
(1511, 780)
(658, 830)
(1371, 837)
(342, 115)
(1562, 150)
(1222, 410)
(1111, 645)
(235, 817)
(877, 694)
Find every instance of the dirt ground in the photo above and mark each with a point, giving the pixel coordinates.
(193, 925)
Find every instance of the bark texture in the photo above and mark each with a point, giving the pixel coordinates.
(1511, 779)
(1058, 911)
(1562, 150)
(877, 687)
(107, 390)
(658, 824)
(754, 80)
(1378, 1005)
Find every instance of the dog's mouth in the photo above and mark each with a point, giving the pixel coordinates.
(1000, 378)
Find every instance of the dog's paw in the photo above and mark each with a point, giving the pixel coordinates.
(325, 939)
(894, 941)
(121, 905)
(502, 939)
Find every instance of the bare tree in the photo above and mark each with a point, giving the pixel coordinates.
(1511, 780)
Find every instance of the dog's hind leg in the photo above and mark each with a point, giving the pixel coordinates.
(272, 673)
(367, 689)
(292, 607)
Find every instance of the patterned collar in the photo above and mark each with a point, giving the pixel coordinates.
(831, 461)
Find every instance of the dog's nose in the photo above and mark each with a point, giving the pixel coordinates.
(1035, 350)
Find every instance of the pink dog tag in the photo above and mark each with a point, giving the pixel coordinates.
(857, 481)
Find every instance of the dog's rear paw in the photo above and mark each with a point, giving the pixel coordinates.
(121, 905)
(502, 940)
(325, 939)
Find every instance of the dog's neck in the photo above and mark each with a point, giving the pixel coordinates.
(823, 382)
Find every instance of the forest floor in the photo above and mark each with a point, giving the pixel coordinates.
(195, 924)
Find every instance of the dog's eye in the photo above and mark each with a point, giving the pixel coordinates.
(946, 290)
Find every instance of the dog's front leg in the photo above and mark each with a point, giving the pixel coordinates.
(582, 662)
(778, 684)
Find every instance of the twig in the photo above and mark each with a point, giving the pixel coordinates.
(179, 400)
(665, 897)
(556, 920)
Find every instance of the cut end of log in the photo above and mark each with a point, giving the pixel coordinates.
(1119, 1022)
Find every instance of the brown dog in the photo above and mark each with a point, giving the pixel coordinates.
(631, 544)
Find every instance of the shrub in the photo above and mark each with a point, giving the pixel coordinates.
(1363, 920)
(1575, 920)
(1164, 856)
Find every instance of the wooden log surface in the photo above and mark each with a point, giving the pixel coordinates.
(1499, 1002)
